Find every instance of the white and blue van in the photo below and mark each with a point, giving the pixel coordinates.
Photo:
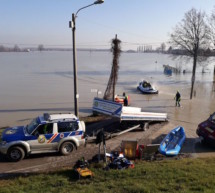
(47, 133)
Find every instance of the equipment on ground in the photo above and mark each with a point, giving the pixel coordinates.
(81, 167)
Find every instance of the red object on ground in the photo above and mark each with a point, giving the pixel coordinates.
(138, 150)
(120, 99)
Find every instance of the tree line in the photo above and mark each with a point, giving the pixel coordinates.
(16, 48)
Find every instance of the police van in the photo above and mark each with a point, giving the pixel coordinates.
(47, 133)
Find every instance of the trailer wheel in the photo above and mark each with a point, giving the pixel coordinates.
(16, 153)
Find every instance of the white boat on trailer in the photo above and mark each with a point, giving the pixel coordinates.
(146, 88)
(125, 113)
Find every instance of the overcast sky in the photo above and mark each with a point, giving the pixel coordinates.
(136, 22)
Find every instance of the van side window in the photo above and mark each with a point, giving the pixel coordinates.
(67, 126)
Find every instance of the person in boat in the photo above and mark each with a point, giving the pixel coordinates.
(146, 84)
(177, 99)
(125, 99)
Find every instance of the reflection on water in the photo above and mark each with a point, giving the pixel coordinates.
(34, 82)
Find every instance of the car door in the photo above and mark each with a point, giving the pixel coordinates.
(41, 137)
(66, 129)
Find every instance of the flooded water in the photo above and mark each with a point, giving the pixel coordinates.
(36, 82)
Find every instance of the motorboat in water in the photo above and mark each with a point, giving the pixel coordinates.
(146, 88)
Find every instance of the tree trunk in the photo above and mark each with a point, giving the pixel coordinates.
(110, 90)
(193, 74)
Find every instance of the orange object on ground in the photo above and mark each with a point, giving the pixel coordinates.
(84, 172)
(120, 99)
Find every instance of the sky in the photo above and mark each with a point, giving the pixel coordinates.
(28, 23)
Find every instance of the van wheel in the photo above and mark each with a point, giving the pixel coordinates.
(66, 148)
(16, 154)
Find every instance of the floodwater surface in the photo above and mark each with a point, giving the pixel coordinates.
(32, 83)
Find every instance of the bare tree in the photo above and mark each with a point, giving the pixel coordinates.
(16, 48)
(191, 35)
(116, 49)
(41, 47)
(2, 48)
(212, 32)
(169, 50)
(163, 47)
(212, 26)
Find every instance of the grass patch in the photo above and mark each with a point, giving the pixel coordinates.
(186, 175)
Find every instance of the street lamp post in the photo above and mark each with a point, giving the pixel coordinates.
(72, 25)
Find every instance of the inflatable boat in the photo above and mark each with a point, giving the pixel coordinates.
(172, 143)
(146, 88)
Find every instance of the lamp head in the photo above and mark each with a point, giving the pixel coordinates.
(99, 2)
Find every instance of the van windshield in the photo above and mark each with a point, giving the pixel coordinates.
(32, 126)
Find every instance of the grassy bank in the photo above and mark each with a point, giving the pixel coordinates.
(187, 175)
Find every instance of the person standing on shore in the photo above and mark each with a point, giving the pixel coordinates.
(125, 99)
(177, 99)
